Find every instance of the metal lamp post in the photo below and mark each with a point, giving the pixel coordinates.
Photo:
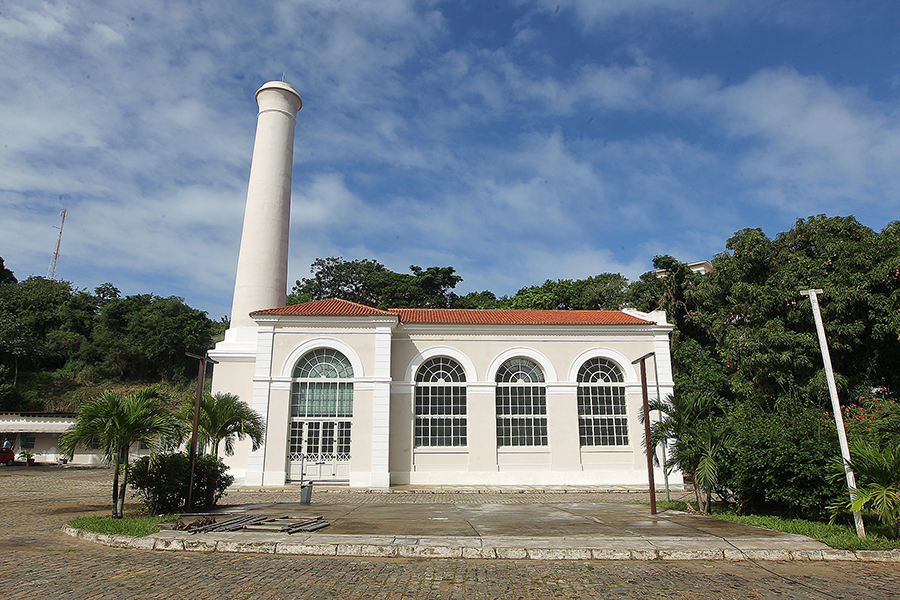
(647, 447)
(201, 377)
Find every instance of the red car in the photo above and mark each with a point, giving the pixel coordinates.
(7, 456)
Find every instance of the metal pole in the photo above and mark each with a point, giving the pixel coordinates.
(647, 447)
(201, 377)
(665, 440)
(835, 406)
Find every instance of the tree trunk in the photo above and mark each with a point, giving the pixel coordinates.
(700, 504)
(124, 483)
(693, 473)
(115, 491)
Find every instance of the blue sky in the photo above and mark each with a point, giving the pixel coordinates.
(514, 140)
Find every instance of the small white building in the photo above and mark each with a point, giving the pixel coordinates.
(40, 431)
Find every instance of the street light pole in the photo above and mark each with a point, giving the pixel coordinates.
(835, 406)
(201, 377)
(665, 440)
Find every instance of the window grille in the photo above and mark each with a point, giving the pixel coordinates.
(521, 400)
(440, 404)
(317, 394)
(602, 418)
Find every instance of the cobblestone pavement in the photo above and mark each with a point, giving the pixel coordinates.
(39, 561)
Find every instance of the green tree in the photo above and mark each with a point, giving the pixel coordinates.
(334, 277)
(752, 307)
(369, 282)
(120, 421)
(145, 337)
(222, 417)
(424, 288)
(482, 300)
(6, 276)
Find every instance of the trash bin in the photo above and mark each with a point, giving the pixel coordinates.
(305, 492)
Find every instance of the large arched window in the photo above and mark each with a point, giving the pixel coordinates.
(601, 404)
(521, 404)
(317, 390)
(321, 405)
(440, 403)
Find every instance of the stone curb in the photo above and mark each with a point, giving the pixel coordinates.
(438, 551)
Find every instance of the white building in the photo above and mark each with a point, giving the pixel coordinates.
(372, 397)
(428, 396)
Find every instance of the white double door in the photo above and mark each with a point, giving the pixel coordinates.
(319, 450)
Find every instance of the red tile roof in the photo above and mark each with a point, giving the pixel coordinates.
(338, 307)
(515, 317)
(331, 307)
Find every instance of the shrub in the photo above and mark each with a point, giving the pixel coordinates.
(162, 482)
(780, 462)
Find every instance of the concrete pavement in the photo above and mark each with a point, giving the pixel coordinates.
(489, 523)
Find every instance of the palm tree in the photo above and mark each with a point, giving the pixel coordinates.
(879, 472)
(686, 423)
(120, 421)
(223, 417)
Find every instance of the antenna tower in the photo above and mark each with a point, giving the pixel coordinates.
(51, 273)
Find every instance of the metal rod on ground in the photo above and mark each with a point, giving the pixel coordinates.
(647, 448)
(665, 440)
(201, 376)
(835, 406)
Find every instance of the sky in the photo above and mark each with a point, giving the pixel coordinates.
(514, 140)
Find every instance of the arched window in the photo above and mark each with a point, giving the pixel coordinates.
(601, 404)
(317, 390)
(440, 403)
(521, 404)
(321, 407)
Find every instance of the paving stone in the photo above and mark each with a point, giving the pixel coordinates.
(690, 554)
(479, 553)
(512, 553)
(306, 549)
(246, 546)
(429, 552)
(768, 554)
(201, 545)
(806, 555)
(168, 544)
(839, 555)
(559, 553)
(610, 554)
(876, 555)
(366, 550)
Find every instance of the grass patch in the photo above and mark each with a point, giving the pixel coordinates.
(839, 535)
(133, 526)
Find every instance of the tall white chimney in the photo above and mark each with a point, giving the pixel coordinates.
(261, 280)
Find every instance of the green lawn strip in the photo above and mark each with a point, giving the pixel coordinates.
(133, 526)
(840, 536)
